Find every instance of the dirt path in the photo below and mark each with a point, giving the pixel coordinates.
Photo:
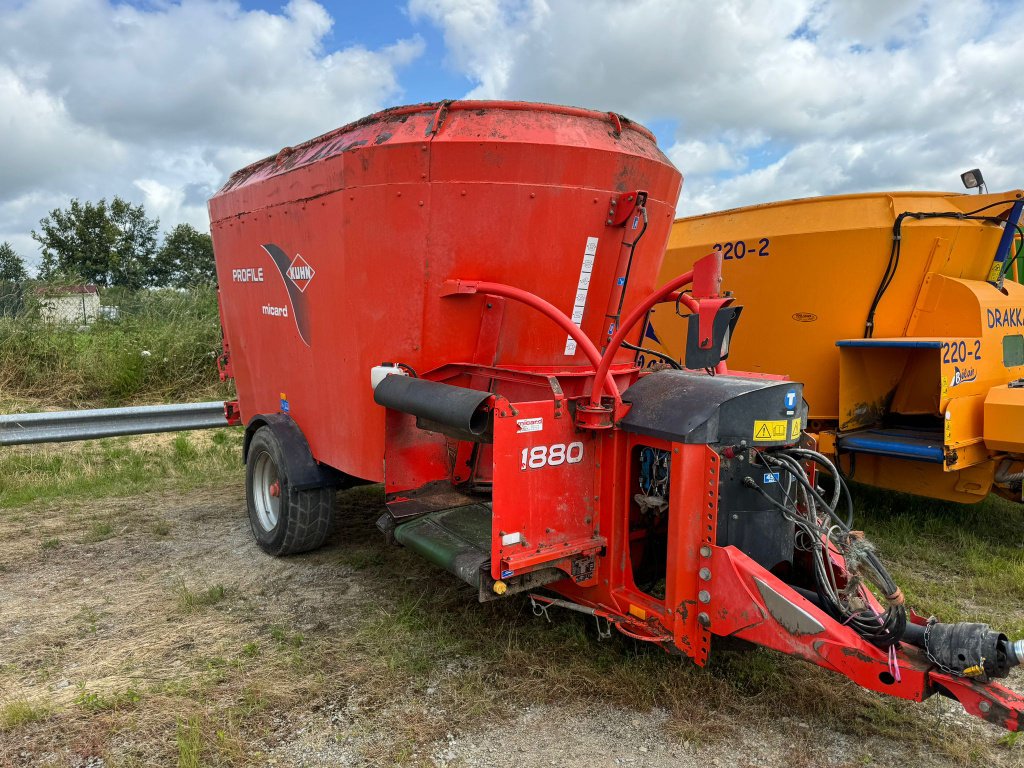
(156, 633)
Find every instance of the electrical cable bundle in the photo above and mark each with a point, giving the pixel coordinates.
(897, 239)
(654, 478)
(824, 533)
(667, 359)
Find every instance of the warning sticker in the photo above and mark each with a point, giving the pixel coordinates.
(794, 431)
(582, 289)
(765, 431)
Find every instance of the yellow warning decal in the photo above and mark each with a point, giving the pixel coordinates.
(767, 431)
(993, 274)
(794, 431)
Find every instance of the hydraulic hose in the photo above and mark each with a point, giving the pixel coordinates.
(620, 334)
(548, 309)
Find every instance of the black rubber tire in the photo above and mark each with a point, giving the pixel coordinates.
(304, 517)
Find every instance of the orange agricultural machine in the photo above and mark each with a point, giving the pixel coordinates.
(901, 314)
(446, 298)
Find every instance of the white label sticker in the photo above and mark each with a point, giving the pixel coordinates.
(530, 425)
(582, 288)
(511, 538)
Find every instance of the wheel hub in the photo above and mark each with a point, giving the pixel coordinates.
(266, 492)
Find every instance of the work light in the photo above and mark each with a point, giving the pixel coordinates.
(972, 179)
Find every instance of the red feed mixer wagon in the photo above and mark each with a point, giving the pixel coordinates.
(447, 298)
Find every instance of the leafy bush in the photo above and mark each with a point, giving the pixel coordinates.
(162, 346)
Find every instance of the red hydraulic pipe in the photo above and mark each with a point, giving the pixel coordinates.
(551, 311)
(632, 319)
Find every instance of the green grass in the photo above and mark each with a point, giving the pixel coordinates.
(93, 701)
(189, 739)
(251, 649)
(18, 713)
(116, 467)
(959, 562)
(99, 531)
(190, 600)
(90, 620)
(162, 348)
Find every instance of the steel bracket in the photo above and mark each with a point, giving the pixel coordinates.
(621, 207)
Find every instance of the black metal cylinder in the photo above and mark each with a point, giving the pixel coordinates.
(459, 408)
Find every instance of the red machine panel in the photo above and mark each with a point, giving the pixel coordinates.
(545, 505)
(332, 256)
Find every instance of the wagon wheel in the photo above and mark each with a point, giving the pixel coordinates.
(284, 520)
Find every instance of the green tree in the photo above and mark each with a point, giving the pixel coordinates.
(185, 260)
(107, 244)
(12, 266)
(12, 276)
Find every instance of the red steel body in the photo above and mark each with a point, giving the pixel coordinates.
(387, 209)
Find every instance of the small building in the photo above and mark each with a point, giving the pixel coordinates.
(73, 304)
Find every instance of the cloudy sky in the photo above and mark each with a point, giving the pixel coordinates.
(754, 100)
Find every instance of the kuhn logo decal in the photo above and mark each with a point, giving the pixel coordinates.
(300, 272)
(296, 273)
(964, 375)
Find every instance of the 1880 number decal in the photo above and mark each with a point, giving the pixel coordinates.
(552, 455)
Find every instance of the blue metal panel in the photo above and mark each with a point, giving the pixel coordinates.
(894, 443)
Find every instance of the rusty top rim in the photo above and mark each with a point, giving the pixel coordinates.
(617, 120)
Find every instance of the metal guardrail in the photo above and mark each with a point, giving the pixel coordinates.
(65, 426)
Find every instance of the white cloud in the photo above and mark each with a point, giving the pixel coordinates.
(706, 158)
(468, 25)
(98, 99)
(40, 139)
(773, 98)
